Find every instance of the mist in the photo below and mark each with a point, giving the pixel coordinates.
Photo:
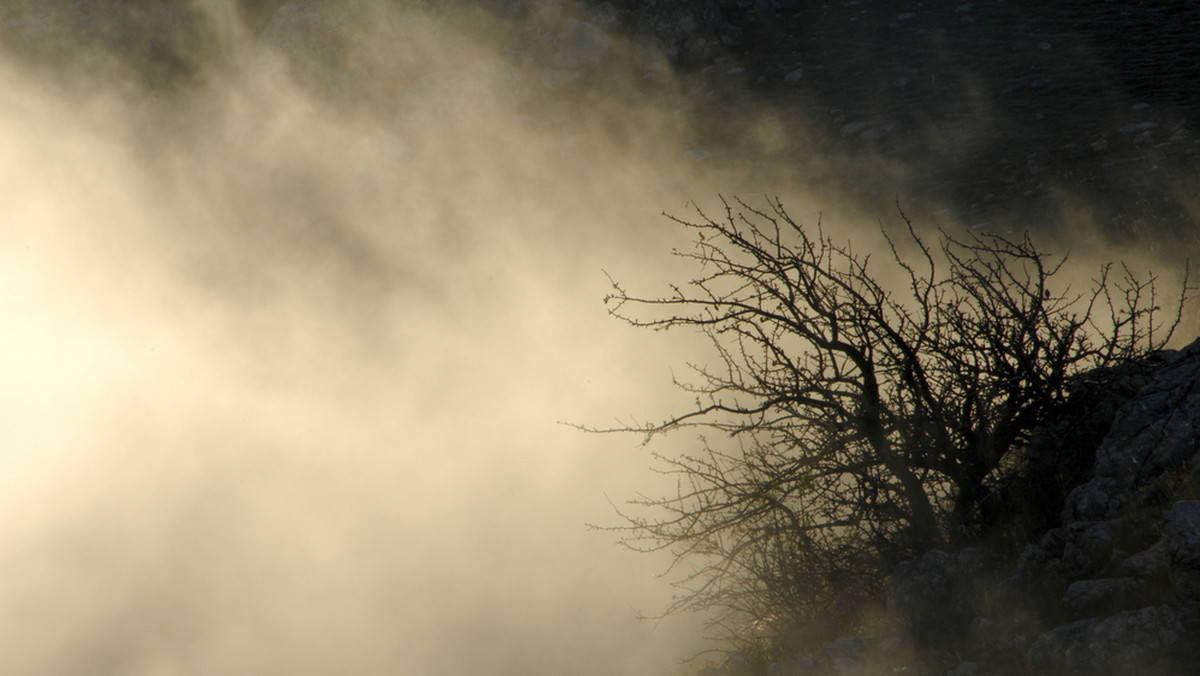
(286, 349)
(292, 316)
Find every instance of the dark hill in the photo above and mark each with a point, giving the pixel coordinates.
(997, 109)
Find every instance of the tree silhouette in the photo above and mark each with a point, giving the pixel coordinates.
(846, 425)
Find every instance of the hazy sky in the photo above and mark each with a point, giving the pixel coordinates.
(282, 374)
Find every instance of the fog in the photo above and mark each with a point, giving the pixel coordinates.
(283, 374)
(288, 339)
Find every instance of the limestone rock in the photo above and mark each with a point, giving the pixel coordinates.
(1126, 642)
(1181, 541)
(1150, 563)
(845, 656)
(935, 591)
(1152, 439)
(1090, 598)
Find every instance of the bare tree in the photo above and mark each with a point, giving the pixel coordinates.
(858, 424)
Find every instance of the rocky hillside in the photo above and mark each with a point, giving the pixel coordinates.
(1110, 585)
(991, 111)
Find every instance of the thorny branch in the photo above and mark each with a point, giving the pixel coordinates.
(865, 423)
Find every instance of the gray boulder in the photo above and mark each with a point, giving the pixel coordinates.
(849, 655)
(1127, 642)
(1061, 557)
(1181, 541)
(1090, 598)
(1151, 563)
(1151, 445)
(845, 656)
(937, 592)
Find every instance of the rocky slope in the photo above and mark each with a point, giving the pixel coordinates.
(1111, 586)
(986, 111)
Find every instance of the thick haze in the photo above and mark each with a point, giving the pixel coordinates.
(283, 361)
(288, 328)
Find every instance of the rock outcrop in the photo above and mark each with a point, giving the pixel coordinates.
(1112, 586)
